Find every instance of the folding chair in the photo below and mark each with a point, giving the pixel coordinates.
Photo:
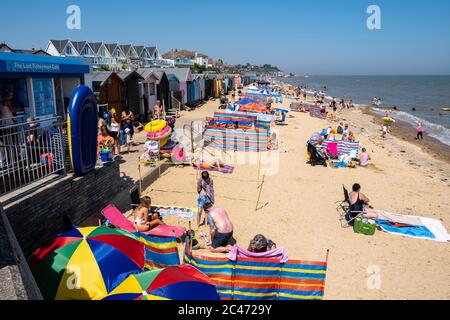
(135, 197)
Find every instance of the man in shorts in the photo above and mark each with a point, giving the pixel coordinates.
(222, 240)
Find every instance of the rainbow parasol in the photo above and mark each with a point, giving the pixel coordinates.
(174, 283)
(86, 263)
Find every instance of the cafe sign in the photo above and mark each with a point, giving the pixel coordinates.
(17, 66)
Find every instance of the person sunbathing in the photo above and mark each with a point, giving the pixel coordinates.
(143, 220)
(221, 227)
(351, 137)
(260, 244)
(360, 204)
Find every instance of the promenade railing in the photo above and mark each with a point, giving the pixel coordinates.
(30, 151)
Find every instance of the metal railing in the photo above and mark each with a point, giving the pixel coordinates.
(176, 107)
(30, 151)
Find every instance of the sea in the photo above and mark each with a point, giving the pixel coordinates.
(426, 94)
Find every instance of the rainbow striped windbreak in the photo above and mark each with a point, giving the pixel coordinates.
(262, 279)
(159, 252)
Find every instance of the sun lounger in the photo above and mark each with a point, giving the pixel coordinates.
(118, 220)
(257, 278)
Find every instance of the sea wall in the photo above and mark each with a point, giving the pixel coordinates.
(53, 209)
(16, 280)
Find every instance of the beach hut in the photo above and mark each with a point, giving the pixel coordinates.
(163, 92)
(209, 86)
(109, 89)
(148, 88)
(191, 93)
(132, 91)
(237, 81)
(183, 76)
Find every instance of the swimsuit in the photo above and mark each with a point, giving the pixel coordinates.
(222, 239)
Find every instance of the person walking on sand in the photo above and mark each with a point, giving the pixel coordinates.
(420, 131)
(385, 131)
(205, 190)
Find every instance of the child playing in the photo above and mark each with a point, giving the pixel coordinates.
(364, 159)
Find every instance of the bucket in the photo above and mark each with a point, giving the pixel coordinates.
(105, 156)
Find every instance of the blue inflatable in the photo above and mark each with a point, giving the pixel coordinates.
(82, 130)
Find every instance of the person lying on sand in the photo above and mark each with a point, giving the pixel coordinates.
(143, 220)
(261, 244)
(359, 204)
(222, 240)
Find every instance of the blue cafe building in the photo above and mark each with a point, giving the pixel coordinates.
(42, 85)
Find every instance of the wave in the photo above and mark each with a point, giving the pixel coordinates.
(433, 130)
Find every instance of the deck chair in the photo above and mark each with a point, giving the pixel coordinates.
(118, 220)
(347, 217)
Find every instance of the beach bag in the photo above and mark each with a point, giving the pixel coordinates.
(365, 226)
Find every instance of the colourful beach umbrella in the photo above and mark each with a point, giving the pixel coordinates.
(254, 107)
(175, 283)
(86, 263)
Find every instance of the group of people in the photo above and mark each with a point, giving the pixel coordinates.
(330, 134)
(115, 130)
(221, 226)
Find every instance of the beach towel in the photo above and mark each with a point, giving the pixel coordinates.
(117, 219)
(159, 252)
(171, 211)
(332, 147)
(344, 147)
(262, 278)
(238, 252)
(225, 169)
(412, 226)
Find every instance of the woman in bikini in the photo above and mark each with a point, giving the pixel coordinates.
(143, 220)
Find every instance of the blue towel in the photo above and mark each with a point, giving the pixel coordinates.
(414, 231)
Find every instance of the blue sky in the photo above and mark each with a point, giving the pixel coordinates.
(306, 37)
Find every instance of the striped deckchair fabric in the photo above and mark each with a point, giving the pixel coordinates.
(344, 147)
(314, 111)
(251, 140)
(263, 279)
(159, 252)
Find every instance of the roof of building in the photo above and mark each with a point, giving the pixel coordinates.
(181, 73)
(79, 45)
(102, 76)
(125, 75)
(151, 50)
(182, 54)
(59, 44)
(111, 47)
(95, 46)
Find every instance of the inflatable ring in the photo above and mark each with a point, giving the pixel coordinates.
(155, 126)
(159, 133)
(163, 142)
(388, 120)
(162, 137)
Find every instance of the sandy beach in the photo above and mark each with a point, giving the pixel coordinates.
(297, 208)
